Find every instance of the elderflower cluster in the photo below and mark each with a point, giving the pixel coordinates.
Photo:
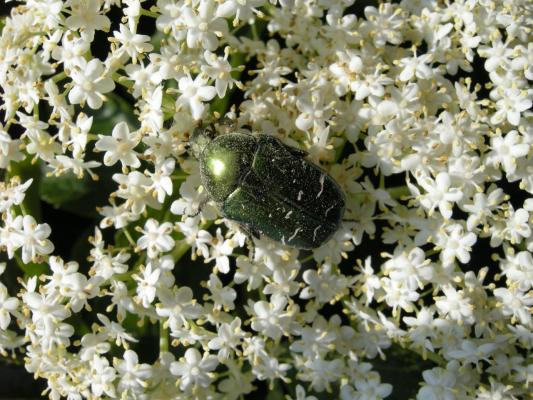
(420, 110)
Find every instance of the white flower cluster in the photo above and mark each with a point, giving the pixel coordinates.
(394, 92)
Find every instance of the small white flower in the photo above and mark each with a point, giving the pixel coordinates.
(156, 238)
(90, 84)
(119, 146)
(505, 150)
(271, 319)
(222, 296)
(398, 296)
(178, 306)
(325, 284)
(318, 339)
(511, 104)
(411, 269)
(75, 165)
(146, 284)
(455, 304)
(455, 244)
(143, 76)
(367, 389)
(7, 306)
(220, 250)
(102, 377)
(472, 352)
(415, 66)
(517, 226)
(202, 27)
(161, 178)
(301, 395)
(253, 273)
(194, 369)
(219, 69)
(132, 43)
(439, 193)
(85, 15)
(76, 136)
(133, 377)
(134, 188)
(422, 328)
(13, 193)
(194, 93)
(515, 303)
(9, 149)
(439, 384)
(229, 337)
(79, 290)
(32, 237)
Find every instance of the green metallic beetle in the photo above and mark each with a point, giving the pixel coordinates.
(268, 187)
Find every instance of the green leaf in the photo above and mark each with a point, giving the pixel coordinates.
(81, 196)
(60, 190)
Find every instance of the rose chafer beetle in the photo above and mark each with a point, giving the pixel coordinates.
(268, 187)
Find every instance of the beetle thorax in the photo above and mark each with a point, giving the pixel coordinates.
(224, 162)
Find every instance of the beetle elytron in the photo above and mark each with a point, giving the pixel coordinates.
(268, 187)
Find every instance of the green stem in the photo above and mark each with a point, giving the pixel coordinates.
(308, 258)
(128, 236)
(149, 13)
(163, 338)
(20, 263)
(59, 77)
(122, 80)
(255, 34)
(437, 359)
(180, 250)
(398, 192)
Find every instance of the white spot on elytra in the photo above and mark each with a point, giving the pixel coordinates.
(315, 232)
(329, 209)
(294, 234)
(300, 194)
(321, 180)
(288, 214)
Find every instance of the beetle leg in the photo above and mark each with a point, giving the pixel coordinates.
(251, 248)
(203, 202)
(251, 234)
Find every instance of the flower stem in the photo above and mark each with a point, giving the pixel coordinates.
(163, 338)
(398, 192)
(59, 76)
(128, 236)
(148, 13)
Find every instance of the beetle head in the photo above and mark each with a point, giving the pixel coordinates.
(199, 139)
